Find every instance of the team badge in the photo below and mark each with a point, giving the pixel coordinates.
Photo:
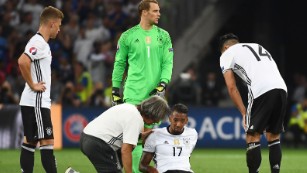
(33, 50)
(48, 131)
(186, 141)
(176, 141)
(148, 40)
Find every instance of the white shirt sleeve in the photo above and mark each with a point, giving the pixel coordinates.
(36, 49)
(131, 131)
(226, 60)
(150, 143)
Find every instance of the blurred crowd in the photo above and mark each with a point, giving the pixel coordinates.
(83, 57)
(83, 53)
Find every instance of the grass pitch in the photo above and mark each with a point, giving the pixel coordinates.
(202, 160)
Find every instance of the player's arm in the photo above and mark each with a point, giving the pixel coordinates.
(233, 91)
(167, 60)
(24, 63)
(119, 69)
(120, 62)
(167, 67)
(126, 152)
(145, 161)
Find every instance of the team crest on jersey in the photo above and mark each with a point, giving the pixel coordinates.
(148, 40)
(49, 131)
(33, 50)
(186, 141)
(176, 141)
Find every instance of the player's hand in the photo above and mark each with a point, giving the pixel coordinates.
(152, 170)
(159, 90)
(145, 134)
(244, 123)
(116, 99)
(39, 87)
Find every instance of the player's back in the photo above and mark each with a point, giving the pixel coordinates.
(255, 65)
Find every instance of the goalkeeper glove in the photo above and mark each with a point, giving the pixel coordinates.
(159, 90)
(116, 99)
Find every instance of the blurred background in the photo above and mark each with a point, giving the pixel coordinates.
(87, 43)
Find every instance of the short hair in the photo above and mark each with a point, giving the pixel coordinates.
(180, 108)
(225, 38)
(154, 108)
(145, 5)
(50, 13)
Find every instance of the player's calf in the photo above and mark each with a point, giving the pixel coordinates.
(253, 157)
(27, 158)
(275, 155)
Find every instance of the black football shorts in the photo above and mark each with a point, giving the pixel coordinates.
(268, 112)
(37, 123)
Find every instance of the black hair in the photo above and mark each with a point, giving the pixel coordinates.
(224, 38)
(180, 108)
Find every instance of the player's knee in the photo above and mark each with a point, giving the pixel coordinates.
(252, 137)
(46, 142)
(272, 137)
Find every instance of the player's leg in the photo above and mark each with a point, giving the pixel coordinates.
(256, 123)
(253, 152)
(47, 155)
(100, 154)
(275, 127)
(275, 153)
(27, 156)
(136, 157)
(46, 139)
(30, 141)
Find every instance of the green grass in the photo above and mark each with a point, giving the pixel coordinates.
(202, 160)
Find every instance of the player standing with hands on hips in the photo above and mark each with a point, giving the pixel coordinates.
(35, 67)
(146, 51)
(267, 97)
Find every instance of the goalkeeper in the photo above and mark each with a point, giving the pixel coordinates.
(146, 52)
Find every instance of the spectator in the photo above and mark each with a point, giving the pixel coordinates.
(185, 90)
(68, 96)
(83, 83)
(27, 23)
(116, 19)
(211, 90)
(56, 87)
(97, 98)
(34, 8)
(298, 123)
(82, 47)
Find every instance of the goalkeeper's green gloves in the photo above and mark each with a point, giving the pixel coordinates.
(159, 90)
(116, 99)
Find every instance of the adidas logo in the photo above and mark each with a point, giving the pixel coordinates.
(137, 40)
(276, 166)
(165, 142)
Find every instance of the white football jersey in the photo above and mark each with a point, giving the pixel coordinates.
(117, 125)
(255, 66)
(38, 50)
(172, 152)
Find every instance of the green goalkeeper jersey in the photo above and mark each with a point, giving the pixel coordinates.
(148, 57)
